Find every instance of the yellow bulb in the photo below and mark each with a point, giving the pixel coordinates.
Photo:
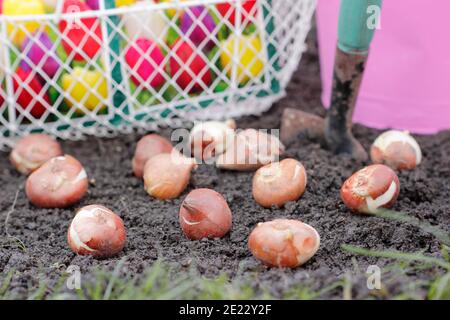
(121, 3)
(249, 50)
(17, 31)
(85, 87)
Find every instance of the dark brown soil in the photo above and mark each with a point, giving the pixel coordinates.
(153, 229)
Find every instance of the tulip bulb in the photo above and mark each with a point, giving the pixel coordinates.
(96, 231)
(167, 175)
(397, 149)
(371, 188)
(210, 139)
(58, 183)
(278, 183)
(149, 146)
(205, 214)
(250, 150)
(32, 151)
(284, 243)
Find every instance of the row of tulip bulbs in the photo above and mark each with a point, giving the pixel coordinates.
(170, 53)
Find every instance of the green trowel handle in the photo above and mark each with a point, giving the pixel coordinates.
(356, 27)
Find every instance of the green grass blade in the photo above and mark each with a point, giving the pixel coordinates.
(396, 255)
(440, 289)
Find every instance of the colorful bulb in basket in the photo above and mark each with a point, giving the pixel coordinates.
(189, 69)
(123, 3)
(144, 57)
(228, 11)
(144, 23)
(95, 4)
(197, 25)
(85, 87)
(40, 54)
(30, 94)
(17, 31)
(249, 51)
(81, 37)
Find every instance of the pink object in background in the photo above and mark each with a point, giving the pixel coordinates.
(407, 80)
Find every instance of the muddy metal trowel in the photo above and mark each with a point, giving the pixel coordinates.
(335, 131)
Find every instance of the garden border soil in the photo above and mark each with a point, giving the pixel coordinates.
(154, 232)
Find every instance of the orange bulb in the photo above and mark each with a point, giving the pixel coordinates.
(96, 231)
(371, 188)
(32, 151)
(210, 139)
(205, 214)
(278, 183)
(397, 149)
(167, 175)
(58, 183)
(250, 150)
(284, 243)
(149, 146)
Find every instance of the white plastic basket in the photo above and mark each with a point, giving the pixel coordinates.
(52, 82)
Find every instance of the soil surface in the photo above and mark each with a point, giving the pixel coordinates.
(154, 232)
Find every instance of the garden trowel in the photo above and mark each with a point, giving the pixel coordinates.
(355, 34)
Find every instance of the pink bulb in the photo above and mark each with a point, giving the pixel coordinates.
(93, 4)
(143, 57)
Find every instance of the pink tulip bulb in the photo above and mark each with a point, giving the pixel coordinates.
(93, 4)
(39, 50)
(143, 57)
(197, 24)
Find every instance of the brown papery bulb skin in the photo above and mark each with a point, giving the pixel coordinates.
(167, 175)
(58, 183)
(205, 214)
(278, 183)
(284, 243)
(96, 231)
(32, 151)
(397, 149)
(250, 150)
(373, 187)
(149, 146)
